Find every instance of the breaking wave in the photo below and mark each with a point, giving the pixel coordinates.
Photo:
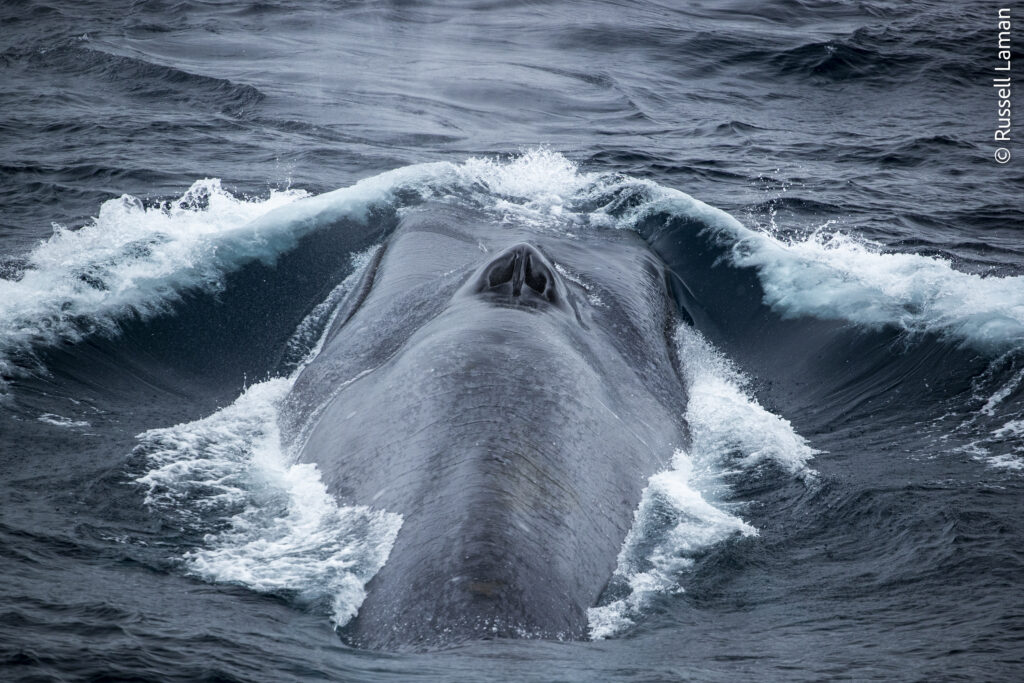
(138, 260)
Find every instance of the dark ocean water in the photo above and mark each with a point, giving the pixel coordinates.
(854, 508)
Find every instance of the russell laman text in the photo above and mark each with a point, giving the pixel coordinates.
(1002, 80)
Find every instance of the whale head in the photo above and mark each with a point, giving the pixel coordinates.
(507, 389)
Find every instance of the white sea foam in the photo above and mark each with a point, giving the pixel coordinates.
(129, 259)
(273, 525)
(673, 523)
(61, 421)
(541, 178)
(1002, 393)
(727, 424)
(136, 260)
(1001, 448)
(839, 276)
(1007, 461)
(266, 522)
(826, 274)
(836, 276)
(1012, 429)
(996, 427)
(681, 512)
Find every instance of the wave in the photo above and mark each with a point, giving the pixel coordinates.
(264, 522)
(684, 510)
(842, 277)
(130, 260)
(834, 276)
(249, 514)
(76, 57)
(134, 261)
(839, 60)
(825, 275)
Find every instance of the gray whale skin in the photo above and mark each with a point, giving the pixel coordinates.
(507, 390)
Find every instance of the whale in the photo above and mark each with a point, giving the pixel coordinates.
(507, 388)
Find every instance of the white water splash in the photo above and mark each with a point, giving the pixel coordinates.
(727, 424)
(266, 522)
(129, 260)
(134, 260)
(680, 514)
(831, 275)
(673, 522)
(827, 275)
(137, 260)
(540, 177)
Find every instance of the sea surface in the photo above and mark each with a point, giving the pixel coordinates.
(850, 506)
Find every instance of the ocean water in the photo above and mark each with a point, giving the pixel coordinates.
(821, 173)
